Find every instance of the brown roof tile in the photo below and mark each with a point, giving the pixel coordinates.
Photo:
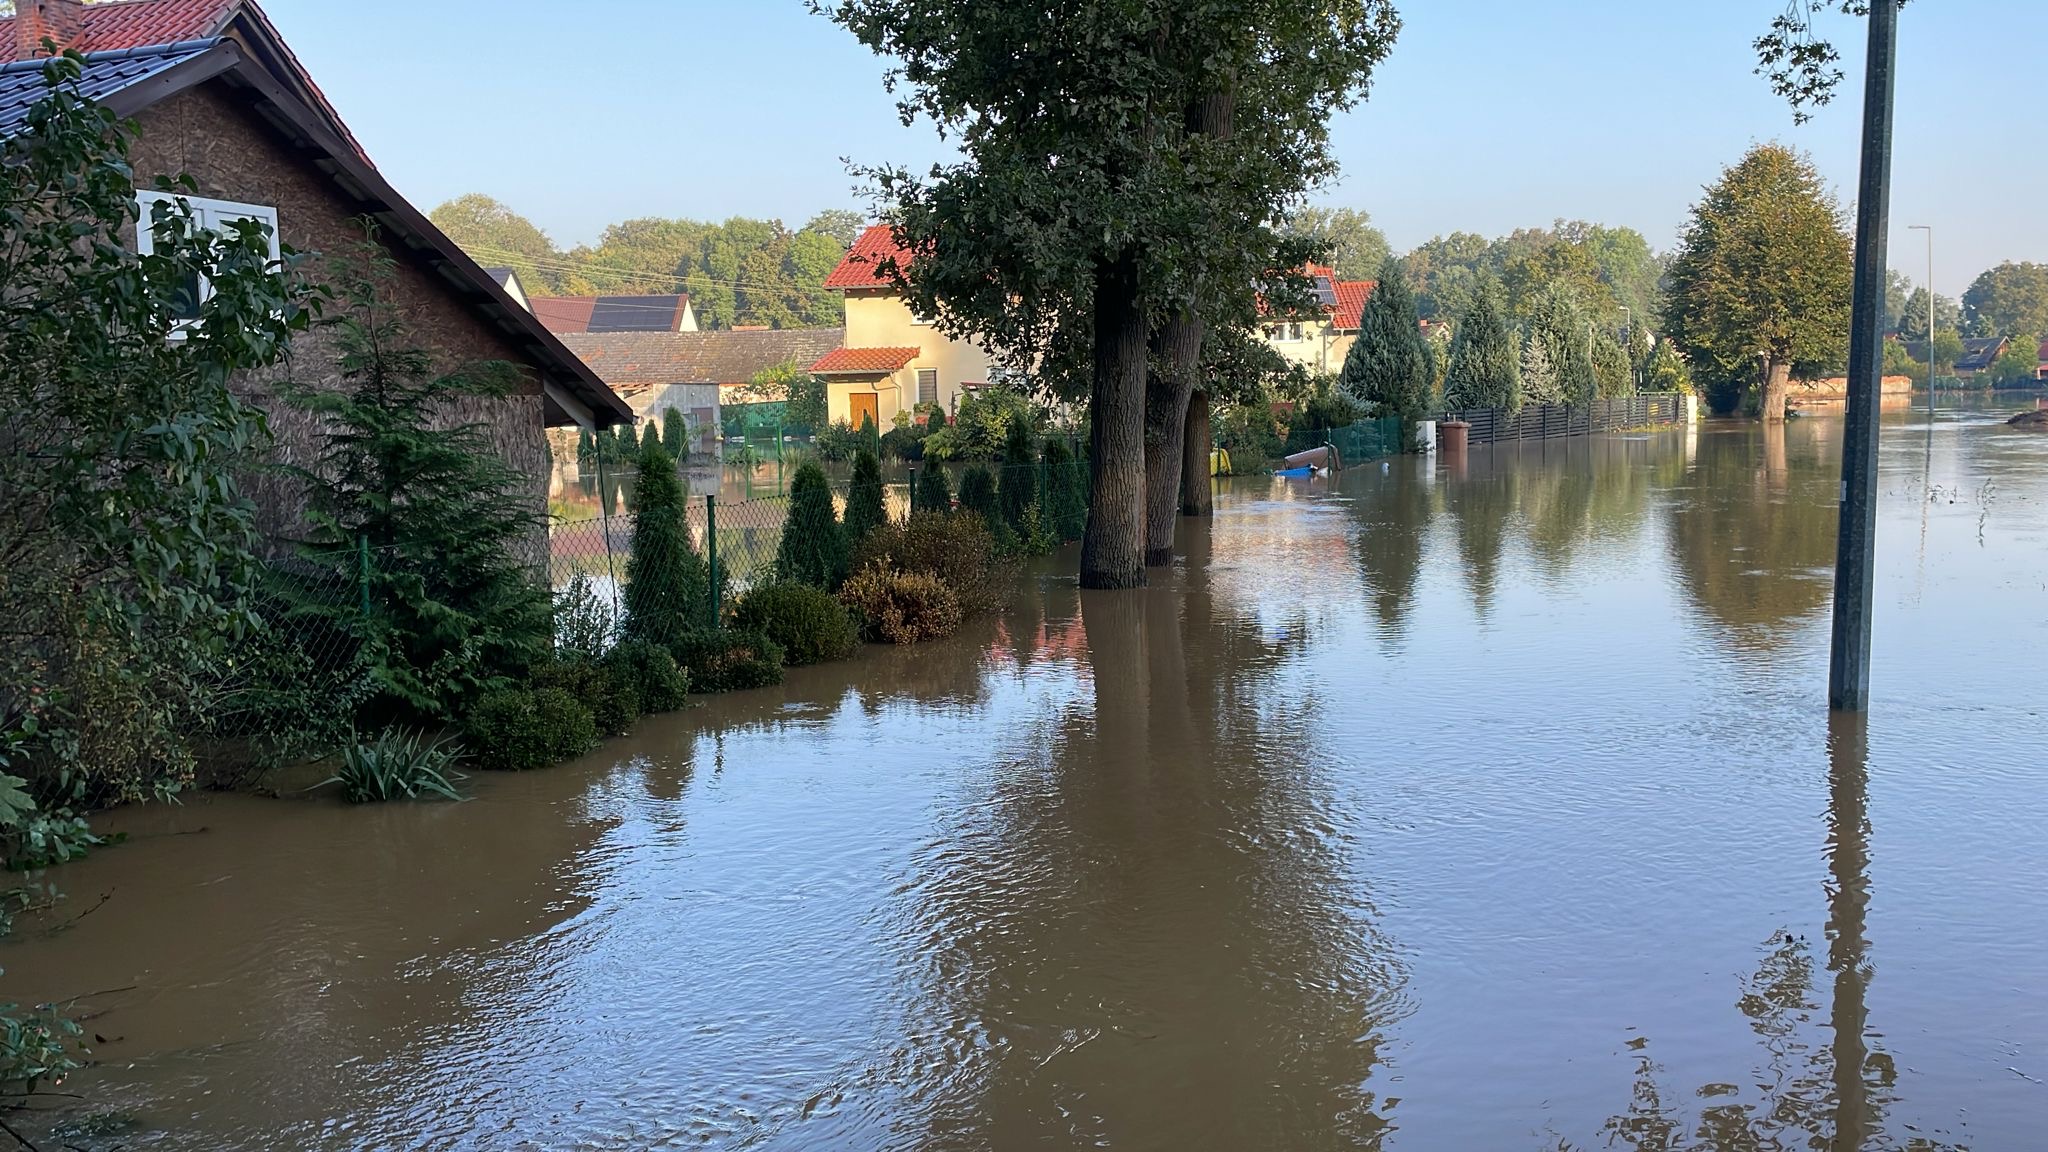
(642, 359)
(863, 361)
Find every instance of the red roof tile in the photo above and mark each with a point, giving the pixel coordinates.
(1351, 298)
(862, 266)
(863, 361)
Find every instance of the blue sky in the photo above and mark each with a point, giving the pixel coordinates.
(1491, 114)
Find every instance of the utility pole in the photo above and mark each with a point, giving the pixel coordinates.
(1856, 542)
(1929, 229)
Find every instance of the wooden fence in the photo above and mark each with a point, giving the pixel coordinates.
(1545, 421)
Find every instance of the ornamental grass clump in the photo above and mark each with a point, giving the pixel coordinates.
(809, 625)
(398, 765)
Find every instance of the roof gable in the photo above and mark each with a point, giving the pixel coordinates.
(863, 264)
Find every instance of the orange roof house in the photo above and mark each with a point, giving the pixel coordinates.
(892, 360)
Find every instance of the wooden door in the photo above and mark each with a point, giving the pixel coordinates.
(863, 406)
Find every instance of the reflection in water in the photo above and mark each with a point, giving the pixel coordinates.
(1155, 900)
(1805, 1094)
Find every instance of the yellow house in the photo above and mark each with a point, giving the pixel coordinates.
(891, 360)
(1320, 340)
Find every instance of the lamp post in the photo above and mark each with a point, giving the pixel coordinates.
(1929, 229)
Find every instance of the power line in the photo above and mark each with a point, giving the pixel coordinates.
(565, 264)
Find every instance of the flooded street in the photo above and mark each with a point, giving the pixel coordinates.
(1439, 807)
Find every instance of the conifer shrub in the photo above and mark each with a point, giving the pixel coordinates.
(728, 660)
(903, 607)
(651, 670)
(958, 550)
(1019, 488)
(668, 586)
(808, 624)
(978, 495)
(865, 509)
(517, 729)
(675, 433)
(932, 493)
(1066, 493)
(813, 549)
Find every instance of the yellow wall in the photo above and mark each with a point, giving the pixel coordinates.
(892, 394)
(876, 318)
(1321, 348)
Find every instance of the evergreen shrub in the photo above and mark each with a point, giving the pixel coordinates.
(932, 493)
(613, 701)
(813, 548)
(516, 729)
(1066, 493)
(809, 625)
(865, 508)
(668, 586)
(651, 671)
(903, 607)
(728, 660)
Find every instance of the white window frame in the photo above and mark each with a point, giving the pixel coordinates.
(210, 214)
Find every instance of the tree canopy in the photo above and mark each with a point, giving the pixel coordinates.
(2008, 300)
(1912, 322)
(1345, 236)
(1605, 269)
(1762, 279)
(741, 271)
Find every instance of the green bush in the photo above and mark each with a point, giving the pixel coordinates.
(657, 681)
(1019, 489)
(903, 607)
(668, 586)
(728, 660)
(932, 495)
(838, 442)
(865, 507)
(515, 729)
(613, 700)
(807, 623)
(958, 550)
(813, 548)
(398, 765)
(978, 495)
(1066, 493)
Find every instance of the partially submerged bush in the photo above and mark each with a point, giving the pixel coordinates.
(651, 671)
(903, 607)
(398, 765)
(515, 729)
(807, 623)
(957, 549)
(613, 700)
(813, 548)
(729, 660)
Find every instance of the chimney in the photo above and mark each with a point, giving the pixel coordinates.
(62, 21)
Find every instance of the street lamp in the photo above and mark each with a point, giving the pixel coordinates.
(1929, 229)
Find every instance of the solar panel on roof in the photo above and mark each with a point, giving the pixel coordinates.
(1326, 292)
(633, 314)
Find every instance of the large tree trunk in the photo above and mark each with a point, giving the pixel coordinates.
(1113, 547)
(1776, 374)
(1195, 485)
(1166, 414)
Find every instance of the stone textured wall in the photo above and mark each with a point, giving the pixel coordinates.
(231, 154)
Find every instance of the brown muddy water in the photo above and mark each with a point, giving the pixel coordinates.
(1492, 807)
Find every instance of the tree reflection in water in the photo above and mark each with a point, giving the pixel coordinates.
(1807, 1094)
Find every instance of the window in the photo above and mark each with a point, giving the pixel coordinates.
(927, 385)
(214, 215)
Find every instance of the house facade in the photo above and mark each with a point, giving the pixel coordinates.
(890, 360)
(211, 107)
(1320, 338)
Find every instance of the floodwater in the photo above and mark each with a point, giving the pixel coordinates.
(1491, 806)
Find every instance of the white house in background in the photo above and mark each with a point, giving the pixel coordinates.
(1320, 338)
(509, 281)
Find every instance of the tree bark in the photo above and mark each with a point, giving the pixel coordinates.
(1113, 547)
(1166, 415)
(1776, 374)
(1195, 486)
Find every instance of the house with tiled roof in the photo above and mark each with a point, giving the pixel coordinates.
(695, 373)
(231, 110)
(565, 315)
(1320, 336)
(892, 360)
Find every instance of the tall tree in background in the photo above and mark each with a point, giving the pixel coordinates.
(2008, 300)
(1762, 280)
(1385, 367)
(1058, 265)
(1540, 384)
(1485, 369)
(1353, 246)
(843, 225)
(495, 235)
(1562, 329)
(1912, 323)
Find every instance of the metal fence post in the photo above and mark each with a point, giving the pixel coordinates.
(363, 572)
(711, 555)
